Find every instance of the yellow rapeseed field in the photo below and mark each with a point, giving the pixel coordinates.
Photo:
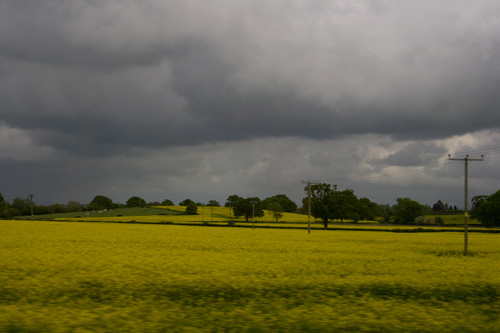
(111, 277)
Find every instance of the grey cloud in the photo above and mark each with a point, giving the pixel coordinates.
(261, 78)
(415, 154)
(96, 80)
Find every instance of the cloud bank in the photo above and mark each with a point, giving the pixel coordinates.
(175, 99)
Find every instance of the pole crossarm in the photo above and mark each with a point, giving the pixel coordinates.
(466, 160)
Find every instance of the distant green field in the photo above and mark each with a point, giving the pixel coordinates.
(457, 219)
(169, 214)
(136, 211)
(111, 277)
(217, 215)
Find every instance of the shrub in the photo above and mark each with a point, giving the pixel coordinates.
(439, 220)
(422, 220)
(191, 209)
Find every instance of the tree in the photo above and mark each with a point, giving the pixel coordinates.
(285, 202)
(231, 201)
(275, 210)
(74, 206)
(347, 205)
(186, 202)
(386, 212)
(167, 202)
(486, 209)
(21, 206)
(57, 209)
(327, 203)
(438, 206)
(101, 202)
(248, 207)
(2, 201)
(135, 202)
(4, 207)
(323, 202)
(213, 203)
(191, 208)
(368, 210)
(406, 210)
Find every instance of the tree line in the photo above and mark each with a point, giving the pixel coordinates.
(26, 206)
(327, 203)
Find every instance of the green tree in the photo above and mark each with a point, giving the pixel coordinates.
(275, 210)
(101, 202)
(4, 207)
(368, 210)
(347, 206)
(186, 202)
(248, 208)
(21, 206)
(135, 202)
(438, 206)
(406, 210)
(74, 206)
(57, 209)
(322, 202)
(231, 201)
(191, 208)
(2, 201)
(327, 203)
(486, 209)
(386, 211)
(213, 203)
(167, 202)
(286, 203)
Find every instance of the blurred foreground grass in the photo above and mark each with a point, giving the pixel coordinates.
(79, 277)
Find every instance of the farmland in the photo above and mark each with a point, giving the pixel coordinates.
(67, 277)
(220, 216)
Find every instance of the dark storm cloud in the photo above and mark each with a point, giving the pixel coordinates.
(88, 82)
(140, 75)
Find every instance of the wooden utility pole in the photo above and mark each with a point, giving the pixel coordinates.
(253, 213)
(466, 199)
(31, 204)
(309, 193)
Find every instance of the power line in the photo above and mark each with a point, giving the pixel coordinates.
(489, 151)
(394, 170)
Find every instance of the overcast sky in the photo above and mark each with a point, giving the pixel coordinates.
(204, 99)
